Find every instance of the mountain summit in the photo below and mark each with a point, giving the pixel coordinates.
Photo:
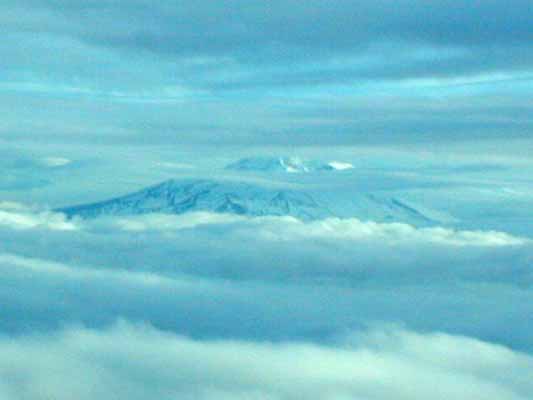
(286, 164)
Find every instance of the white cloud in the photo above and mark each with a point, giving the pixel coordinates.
(61, 271)
(272, 228)
(10, 205)
(394, 233)
(164, 222)
(139, 362)
(55, 161)
(250, 291)
(340, 165)
(289, 228)
(15, 216)
(174, 165)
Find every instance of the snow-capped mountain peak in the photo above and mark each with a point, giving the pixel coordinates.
(286, 164)
(182, 196)
(340, 166)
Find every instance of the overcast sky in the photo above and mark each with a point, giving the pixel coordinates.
(276, 72)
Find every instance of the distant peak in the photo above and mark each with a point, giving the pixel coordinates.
(286, 164)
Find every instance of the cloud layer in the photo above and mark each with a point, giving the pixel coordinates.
(284, 72)
(226, 306)
(18, 216)
(139, 362)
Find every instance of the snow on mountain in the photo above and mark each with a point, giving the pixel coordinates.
(181, 196)
(340, 165)
(285, 164)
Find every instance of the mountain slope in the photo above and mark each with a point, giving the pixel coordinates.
(177, 197)
(181, 196)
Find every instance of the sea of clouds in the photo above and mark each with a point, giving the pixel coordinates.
(218, 306)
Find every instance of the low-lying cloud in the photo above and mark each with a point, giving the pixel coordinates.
(15, 216)
(272, 295)
(140, 362)
(275, 249)
(276, 228)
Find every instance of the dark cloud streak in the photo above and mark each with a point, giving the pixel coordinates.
(230, 71)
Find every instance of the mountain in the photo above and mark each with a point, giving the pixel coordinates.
(181, 196)
(285, 164)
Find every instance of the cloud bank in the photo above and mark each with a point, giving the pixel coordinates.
(316, 73)
(275, 228)
(139, 362)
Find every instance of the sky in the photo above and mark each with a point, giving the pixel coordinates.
(277, 72)
(428, 106)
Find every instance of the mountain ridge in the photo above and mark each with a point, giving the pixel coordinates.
(189, 195)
